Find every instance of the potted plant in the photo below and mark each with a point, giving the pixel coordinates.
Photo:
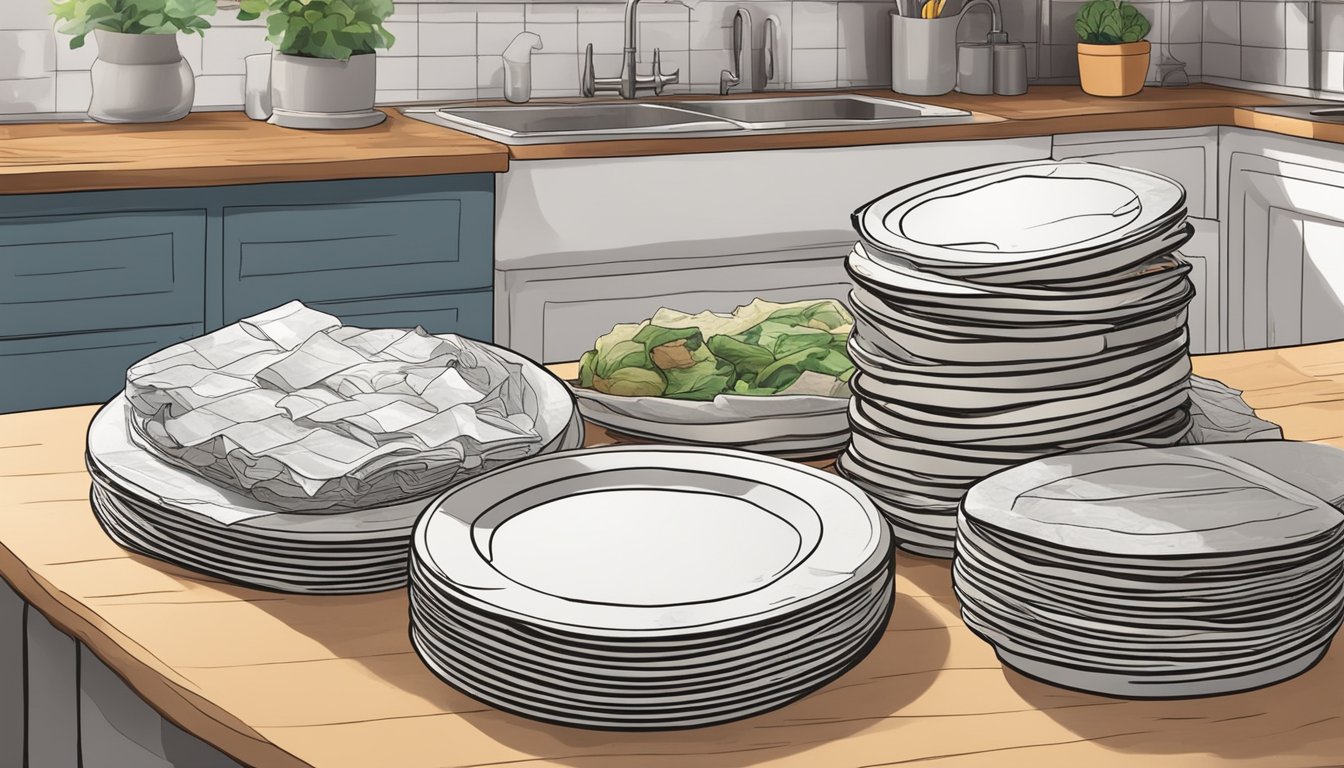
(1112, 52)
(139, 75)
(322, 71)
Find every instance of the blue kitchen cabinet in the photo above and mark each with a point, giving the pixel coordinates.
(413, 252)
(90, 282)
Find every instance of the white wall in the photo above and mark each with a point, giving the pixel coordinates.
(450, 50)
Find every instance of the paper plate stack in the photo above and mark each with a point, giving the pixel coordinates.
(1158, 573)
(188, 504)
(1007, 313)
(639, 588)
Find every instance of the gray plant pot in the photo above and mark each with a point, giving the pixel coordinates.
(323, 93)
(139, 79)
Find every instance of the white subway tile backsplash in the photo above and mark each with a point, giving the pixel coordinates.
(395, 96)
(605, 36)
(1262, 65)
(448, 13)
(1062, 16)
(193, 50)
(1221, 60)
(1191, 54)
(602, 12)
(1021, 20)
(223, 49)
(407, 42)
(1262, 24)
(711, 25)
(26, 14)
(1332, 70)
(1297, 68)
(73, 91)
(1186, 22)
(1297, 30)
(814, 68)
(445, 95)
(1331, 23)
(1222, 21)
(396, 74)
(669, 35)
(500, 13)
(219, 91)
(553, 72)
(34, 94)
(492, 39)
(548, 13)
(447, 39)
(26, 54)
(445, 72)
(705, 68)
(404, 12)
(556, 37)
(68, 58)
(814, 24)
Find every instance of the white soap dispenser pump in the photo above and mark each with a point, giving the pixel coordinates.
(518, 67)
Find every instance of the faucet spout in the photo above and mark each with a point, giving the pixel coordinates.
(631, 24)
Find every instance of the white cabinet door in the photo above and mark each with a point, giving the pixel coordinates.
(1189, 156)
(1202, 253)
(1284, 232)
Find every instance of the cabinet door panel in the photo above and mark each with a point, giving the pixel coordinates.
(62, 274)
(468, 314)
(344, 251)
(1190, 159)
(53, 371)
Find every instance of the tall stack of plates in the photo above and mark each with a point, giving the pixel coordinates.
(164, 511)
(1157, 573)
(648, 588)
(1007, 313)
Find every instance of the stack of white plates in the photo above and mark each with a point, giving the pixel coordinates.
(1007, 313)
(158, 509)
(648, 588)
(1156, 573)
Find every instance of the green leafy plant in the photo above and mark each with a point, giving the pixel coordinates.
(135, 17)
(322, 29)
(1107, 22)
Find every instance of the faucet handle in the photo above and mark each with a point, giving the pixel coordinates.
(588, 81)
(660, 79)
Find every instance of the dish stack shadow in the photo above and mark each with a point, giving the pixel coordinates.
(1007, 313)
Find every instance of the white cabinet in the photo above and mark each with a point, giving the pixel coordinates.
(581, 245)
(1283, 224)
(1189, 155)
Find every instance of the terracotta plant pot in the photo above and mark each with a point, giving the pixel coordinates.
(1113, 70)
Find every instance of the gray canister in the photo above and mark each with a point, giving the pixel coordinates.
(975, 68)
(1010, 69)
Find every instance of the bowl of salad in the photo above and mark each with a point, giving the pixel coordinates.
(771, 378)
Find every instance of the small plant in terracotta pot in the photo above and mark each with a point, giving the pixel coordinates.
(1112, 52)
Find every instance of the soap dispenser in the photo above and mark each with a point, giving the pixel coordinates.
(518, 67)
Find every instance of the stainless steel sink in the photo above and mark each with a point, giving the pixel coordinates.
(598, 121)
(838, 111)
(537, 124)
(1320, 113)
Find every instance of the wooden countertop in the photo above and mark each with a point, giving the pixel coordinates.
(217, 148)
(282, 680)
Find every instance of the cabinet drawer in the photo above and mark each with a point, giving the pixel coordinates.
(54, 371)
(469, 314)
(1190, 158)
(341, 251)
(63, 274)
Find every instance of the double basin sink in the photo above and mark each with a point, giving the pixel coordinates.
(608, 120)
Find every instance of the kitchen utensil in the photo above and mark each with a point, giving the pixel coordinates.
(924, 49)
(1010, 69)
(975, 68)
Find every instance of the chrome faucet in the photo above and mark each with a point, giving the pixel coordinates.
(629, 83)
(731, 78)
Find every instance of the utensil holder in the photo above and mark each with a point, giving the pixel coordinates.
(924, 55)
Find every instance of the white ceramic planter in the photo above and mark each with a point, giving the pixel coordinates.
(324, 93)
(140, 79)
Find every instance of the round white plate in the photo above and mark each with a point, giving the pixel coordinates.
(651, 542)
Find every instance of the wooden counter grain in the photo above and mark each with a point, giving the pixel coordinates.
(282, 680)
(218, 148)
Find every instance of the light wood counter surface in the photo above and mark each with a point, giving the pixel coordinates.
(217, 148)
(331, 682)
